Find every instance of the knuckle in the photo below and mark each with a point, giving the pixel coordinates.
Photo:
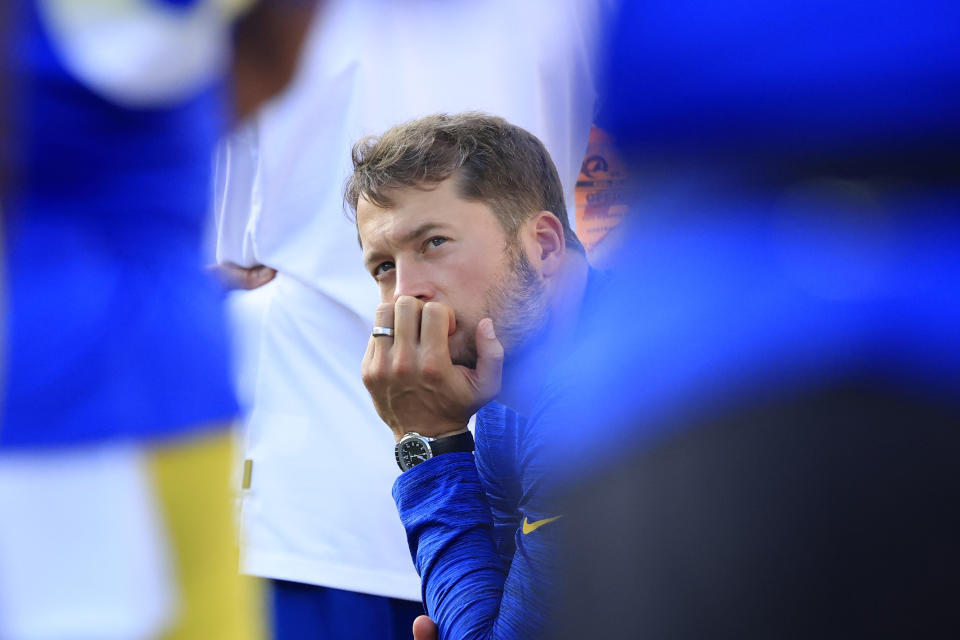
(369, 377)
(437, 307)
(431, 369)
(435, 310)
(374, 373)
(401, 368)
(384, 314)
(370, 380)
(407, 302)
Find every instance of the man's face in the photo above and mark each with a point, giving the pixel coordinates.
(435, 246)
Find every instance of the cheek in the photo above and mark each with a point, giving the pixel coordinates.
(473, 283)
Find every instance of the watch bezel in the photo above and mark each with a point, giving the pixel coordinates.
(404, 442)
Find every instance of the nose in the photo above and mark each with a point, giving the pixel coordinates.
(413, 278)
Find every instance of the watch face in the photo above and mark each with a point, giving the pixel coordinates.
(412, 452)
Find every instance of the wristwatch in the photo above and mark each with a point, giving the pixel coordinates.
(414, 448)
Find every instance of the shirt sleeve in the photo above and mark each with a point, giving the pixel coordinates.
(496, 439)
(466, 588)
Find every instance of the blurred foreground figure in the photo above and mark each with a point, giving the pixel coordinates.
(766, 442)
(115, 515)
(317, 515)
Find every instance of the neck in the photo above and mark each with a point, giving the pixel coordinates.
(525, 372)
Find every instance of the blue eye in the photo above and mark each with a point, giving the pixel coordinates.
(436, 241)
(382, 268)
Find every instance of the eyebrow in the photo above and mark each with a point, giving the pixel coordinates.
(406, 238)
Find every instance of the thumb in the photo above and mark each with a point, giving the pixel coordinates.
(489, 360)
(424, 629)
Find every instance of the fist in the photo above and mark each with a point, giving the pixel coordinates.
(411, 377)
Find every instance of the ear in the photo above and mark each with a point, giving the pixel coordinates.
(550, 244)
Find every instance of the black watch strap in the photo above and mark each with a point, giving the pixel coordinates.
(451, 444)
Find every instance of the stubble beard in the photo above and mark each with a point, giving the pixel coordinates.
(517, 304)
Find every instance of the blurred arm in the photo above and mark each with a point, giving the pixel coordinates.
(267, 42)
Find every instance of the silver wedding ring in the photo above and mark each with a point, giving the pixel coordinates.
(382, 331)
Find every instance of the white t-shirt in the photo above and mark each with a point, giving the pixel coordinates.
(319, 509)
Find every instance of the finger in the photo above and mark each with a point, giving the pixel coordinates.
(382, 318)
(436, 326)
(384, 315)
(376, 360)
(424, 628)
(406, 326)
(233, 276)
(366, 367)
(256, 277)
(489, 360)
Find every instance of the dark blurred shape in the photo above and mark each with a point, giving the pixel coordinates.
(267, 42)
(765, 419)
(821, 512)
(5, 93)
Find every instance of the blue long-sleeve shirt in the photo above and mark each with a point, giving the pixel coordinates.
(471, 523)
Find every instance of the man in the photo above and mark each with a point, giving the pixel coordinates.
(463, 226)
(367, 65)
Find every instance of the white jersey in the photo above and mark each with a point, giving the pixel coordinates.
(319, 508)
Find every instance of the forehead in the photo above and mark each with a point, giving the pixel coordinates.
(413, 208)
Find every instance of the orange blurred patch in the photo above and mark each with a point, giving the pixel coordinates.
(602, 191)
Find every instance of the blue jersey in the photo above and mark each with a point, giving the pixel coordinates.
(113, 330)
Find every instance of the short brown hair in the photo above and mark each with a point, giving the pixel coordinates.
(495, 162)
